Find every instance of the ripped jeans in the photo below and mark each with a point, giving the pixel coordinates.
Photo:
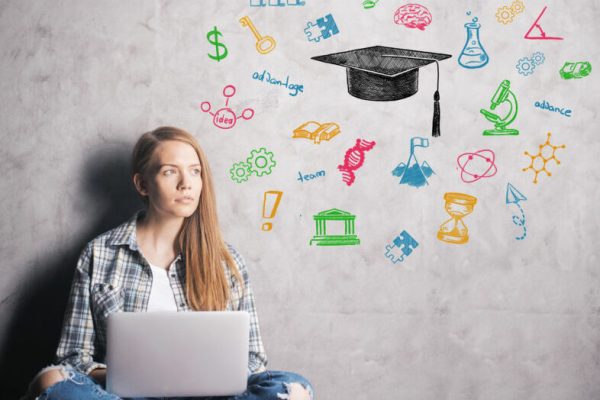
(267, 385)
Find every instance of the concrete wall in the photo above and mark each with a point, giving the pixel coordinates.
(495, 318)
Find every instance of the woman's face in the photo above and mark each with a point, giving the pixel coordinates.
(172, 181)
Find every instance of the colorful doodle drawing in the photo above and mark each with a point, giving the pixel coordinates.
(264, 44)
(413, 16)
(404, 243)
(271, 201)
(542, 35)
(575, 70)
(458, 206)
(276, 3)
(380, 73)
(473, 55)
(369, 4)
(220, 48)
(260, 162)
(489, 168)
(412, 173)
(503, 94)
(316, 132)
(324, 28)
(526, 65)
(544, 158)
(506, 14)
(225, 118)
(513, 196)
(322, 238)
(354, 159)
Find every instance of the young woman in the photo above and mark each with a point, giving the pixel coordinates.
(169, 256)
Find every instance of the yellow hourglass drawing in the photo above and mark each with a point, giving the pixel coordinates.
(458, 206)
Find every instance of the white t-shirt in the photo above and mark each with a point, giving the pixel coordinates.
(161, 294)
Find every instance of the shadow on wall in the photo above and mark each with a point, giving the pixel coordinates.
(39, 305)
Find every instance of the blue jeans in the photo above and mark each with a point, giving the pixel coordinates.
(268, 385)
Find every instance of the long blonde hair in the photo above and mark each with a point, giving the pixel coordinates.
(200, 240)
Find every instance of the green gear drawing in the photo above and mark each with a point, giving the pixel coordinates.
(240, 172)
(261, 161)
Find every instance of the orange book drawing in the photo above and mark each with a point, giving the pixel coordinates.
(316, 132)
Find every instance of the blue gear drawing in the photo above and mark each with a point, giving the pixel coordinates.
(261, 161)
(240, 172)
(525, 66)
(538, 58)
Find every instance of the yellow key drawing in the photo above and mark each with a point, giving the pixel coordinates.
(264, 44)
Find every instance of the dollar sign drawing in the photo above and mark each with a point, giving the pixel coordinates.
(213, 38)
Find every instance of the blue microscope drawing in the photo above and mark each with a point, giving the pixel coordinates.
(412, 173)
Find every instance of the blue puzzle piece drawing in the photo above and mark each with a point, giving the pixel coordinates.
(390, 253)
(405, 242)
(312, 32)
(328, 26)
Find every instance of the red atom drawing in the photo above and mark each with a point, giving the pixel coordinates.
(486, 155)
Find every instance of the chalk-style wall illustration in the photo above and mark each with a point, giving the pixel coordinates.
(260, 162)
(402, 246)
(412, 173)
(513, 196)
(458, 206)
(368, 4)
(502, 95)
(380, 73)
(486, 168)
(264, 44)
(334, 216)
(544, 105)
(276, 3)
(543, 158)
(526, 65)
(271, 201)
(316, 131)
(575, 70)
(220, 49)
(413, 16)
(324, 28)
(540, 34)
(473, 55)
(225, 117)
(354, 159)
(506, 14)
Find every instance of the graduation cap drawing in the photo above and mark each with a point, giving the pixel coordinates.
(380, 73)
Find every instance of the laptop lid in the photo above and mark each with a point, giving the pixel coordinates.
(177, 353)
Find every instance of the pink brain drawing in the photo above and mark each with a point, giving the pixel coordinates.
(413, 16)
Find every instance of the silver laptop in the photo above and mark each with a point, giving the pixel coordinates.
(177, 353)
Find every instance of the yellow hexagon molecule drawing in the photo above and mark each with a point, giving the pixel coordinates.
(544, 158)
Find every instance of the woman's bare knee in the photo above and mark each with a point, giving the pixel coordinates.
(46, 378)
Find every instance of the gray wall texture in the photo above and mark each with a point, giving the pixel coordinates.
(495, 318)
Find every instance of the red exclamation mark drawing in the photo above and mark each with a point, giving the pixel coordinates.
(270, 203)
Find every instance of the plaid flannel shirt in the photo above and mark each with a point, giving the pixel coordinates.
(112, 275)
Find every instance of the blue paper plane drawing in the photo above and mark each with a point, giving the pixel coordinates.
(513, 196)
(412, 173)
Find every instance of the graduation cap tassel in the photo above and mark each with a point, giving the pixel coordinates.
(436, 115)
(435, 129)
